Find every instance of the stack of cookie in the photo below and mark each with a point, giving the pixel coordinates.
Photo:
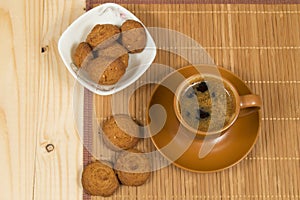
(104, 54)
(131, 168)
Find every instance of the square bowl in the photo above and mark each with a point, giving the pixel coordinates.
(77, 32)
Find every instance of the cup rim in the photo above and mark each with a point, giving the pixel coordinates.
(182, 86)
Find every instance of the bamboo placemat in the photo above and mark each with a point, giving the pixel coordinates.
(259, 43)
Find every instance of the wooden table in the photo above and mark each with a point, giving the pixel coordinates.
(36, 102)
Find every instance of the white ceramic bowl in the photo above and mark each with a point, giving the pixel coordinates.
(77, 32)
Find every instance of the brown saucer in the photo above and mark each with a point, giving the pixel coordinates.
(230, 148)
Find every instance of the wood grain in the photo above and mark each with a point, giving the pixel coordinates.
(58, 173)
(19, 65)
(36, 103)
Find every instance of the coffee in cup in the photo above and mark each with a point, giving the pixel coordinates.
(208, 104)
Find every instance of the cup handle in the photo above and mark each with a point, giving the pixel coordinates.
(249, 103)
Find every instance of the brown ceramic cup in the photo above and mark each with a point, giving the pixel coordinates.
(244, 104)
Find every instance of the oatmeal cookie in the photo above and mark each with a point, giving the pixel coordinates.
(104, 71)
(99, 179)
(113, 52)
(102, 35)
(120, 132)
(83, 52)
(132, 168)
(133, 36)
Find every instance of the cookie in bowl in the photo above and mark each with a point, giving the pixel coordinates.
(83, 52)
(104, 71)
(113, 52)
(134, 36)
(102, 35)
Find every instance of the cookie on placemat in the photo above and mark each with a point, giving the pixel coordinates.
(113, 52)
(102, 35)
(120, 131)
(82, 52)
(133, 36)
(105, 71)
(132, 168)
(99, 179)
